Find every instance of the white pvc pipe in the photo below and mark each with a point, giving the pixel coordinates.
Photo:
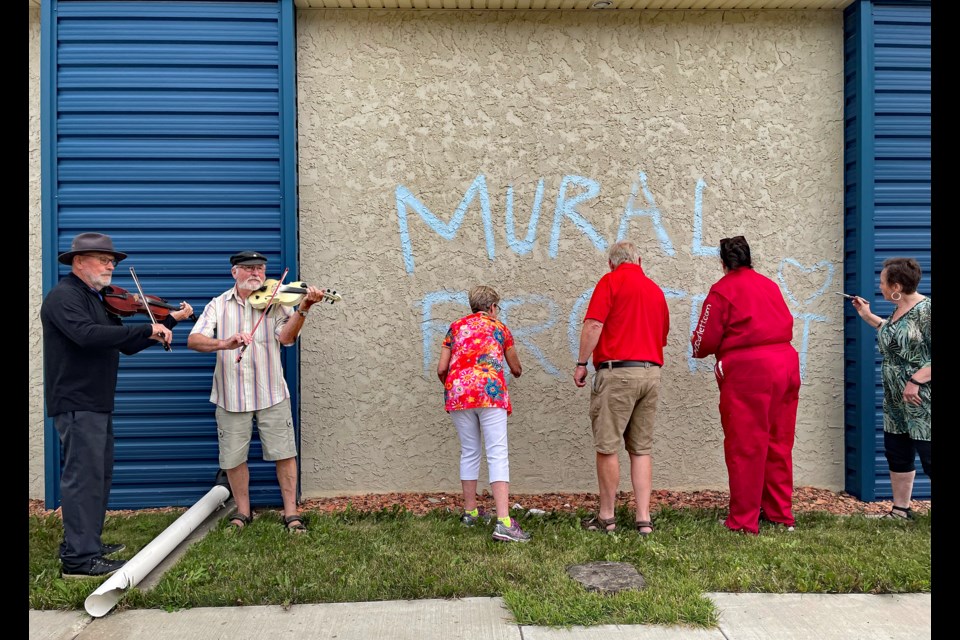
(106, 596)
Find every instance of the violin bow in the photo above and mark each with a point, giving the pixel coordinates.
(146, 303)
(265, 310)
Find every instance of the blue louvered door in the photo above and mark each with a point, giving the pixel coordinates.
(170, 126)
(887, 206)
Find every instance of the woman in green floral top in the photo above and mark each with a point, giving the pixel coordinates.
(905, 342)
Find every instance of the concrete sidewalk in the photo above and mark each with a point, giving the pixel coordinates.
(742, 617)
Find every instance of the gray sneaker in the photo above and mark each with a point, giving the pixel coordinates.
(513, 533)
(469, 520)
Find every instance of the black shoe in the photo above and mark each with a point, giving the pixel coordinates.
(99, 568)
(110, 549)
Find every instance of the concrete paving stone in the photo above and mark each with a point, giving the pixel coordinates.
(466, 619)
(607, 577)
(56, 625)
(800, 616)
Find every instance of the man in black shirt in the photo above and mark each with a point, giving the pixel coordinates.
(82, 343)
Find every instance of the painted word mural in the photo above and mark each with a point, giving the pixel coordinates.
(573, 191)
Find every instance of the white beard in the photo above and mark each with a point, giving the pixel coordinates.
(102, 281)
(250, 284)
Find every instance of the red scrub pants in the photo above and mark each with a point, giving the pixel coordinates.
(759, 393)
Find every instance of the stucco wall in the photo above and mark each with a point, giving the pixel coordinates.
(34, 342)
(400, 113)
(415, 107)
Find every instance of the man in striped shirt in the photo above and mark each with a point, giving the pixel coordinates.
(254, 388)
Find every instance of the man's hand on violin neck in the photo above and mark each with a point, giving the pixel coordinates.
(185, 312)
(313, 295)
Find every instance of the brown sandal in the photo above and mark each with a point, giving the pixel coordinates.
(596, 523)
(242, 519)
(294, 524)
(644, 524)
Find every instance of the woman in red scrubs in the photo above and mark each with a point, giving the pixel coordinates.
(746, 324)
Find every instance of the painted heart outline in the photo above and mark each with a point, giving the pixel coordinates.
(805, 269)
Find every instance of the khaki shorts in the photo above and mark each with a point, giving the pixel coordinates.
(235, 430)
(623, 405)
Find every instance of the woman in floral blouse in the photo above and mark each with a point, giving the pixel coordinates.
(906, 344)
(476, 397)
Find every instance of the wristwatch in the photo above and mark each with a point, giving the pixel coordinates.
(581, 364)
(303, 314)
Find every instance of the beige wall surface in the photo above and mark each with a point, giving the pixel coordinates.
(34, 341)
(678, 128)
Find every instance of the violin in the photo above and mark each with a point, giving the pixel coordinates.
(122, 303)
(273, 292)
(288, 295)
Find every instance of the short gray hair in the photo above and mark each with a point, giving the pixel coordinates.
(622, 252)
(482, 298)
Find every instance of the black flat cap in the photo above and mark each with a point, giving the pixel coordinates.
(248, 257)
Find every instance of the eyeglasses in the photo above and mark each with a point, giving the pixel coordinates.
(253, 267)
(104, 260)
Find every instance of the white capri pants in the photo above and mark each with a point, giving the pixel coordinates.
(491, 422)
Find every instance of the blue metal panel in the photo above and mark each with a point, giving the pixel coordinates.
(858, 207)
(171, 127)
(887, 178)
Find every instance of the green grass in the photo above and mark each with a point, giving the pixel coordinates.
(352, 556)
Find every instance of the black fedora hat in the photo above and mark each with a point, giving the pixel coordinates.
(88, 243)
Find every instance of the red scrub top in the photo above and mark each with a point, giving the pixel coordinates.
(743, 309)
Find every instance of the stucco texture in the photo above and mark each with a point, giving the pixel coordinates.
(34, 338)
(403, 113)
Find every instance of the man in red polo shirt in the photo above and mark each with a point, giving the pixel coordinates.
(625, 329)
